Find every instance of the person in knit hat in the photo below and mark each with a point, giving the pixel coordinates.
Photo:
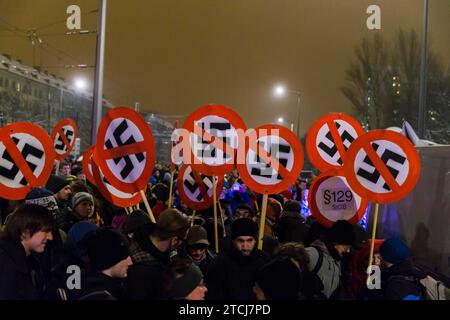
(196, 248)
(43, 197)
(231, 275)
(278, 280)
(61, 188)
(325, 256)
(186, 281)
(109, 258)
(136, 220)
(82, 209)
(400, 278)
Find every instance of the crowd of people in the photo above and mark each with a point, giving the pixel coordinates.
(65, 241)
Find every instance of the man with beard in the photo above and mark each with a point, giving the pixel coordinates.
(151, 246)
(231, 275)
(196, 248)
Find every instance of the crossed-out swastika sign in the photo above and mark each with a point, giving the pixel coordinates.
(196, 189)
(331, 199)
(26, 159)
(273, 159)
(382, 166)
(125, 150)
(64, 135)
(112, 194)
(213, 139)
(87, 165)
(329, 138)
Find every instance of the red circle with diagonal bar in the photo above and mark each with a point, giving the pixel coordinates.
(259, 175)
(111, 193)
(195, 189)
(125, 149)
(26, 159)
(87, 164)
(64, 135)
(382, 166)
(218, 119)
(331, 199)
(329, 138)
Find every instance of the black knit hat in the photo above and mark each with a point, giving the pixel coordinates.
(56, 183)
(244, 227)
(105, 248)
(186, 280)
(279, 279)
(136, 220)
(342, 232)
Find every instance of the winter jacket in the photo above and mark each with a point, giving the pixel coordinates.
(330, 270)
(231, 276)
(147, 276)
(96, 281)
(67, 220)
(205, 263)
(402, 282)
(20, 276)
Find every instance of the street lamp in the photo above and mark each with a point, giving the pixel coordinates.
(281, 120)
(281, 91)
(80, 84)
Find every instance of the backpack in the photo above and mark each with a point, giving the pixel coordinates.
(416, 290)
(312, 285)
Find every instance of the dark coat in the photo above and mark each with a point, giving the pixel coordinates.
(50, 261)
(147, 276)
(205, 263)
(20, 276)
(231, 276)
(95, 281)
(67, 220)
(291, 227)
(402, 280)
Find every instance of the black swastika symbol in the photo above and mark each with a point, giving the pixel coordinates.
(60, 143)
(193, 187)
(209, 151)
(26, 150)
(385, 157)
(126, 170)
(266, 171)
(345, 136)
